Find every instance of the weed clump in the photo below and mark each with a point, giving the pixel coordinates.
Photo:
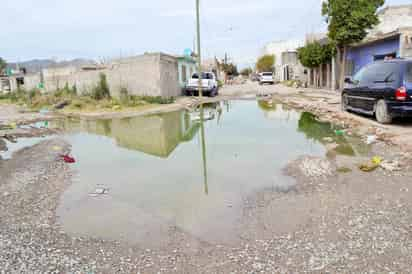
(101, 91)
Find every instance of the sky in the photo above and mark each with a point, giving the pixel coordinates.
(101, 29)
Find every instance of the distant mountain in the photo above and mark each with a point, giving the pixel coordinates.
(37, 65)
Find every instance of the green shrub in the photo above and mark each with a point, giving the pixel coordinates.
(101, 91)
(78, 104)
(158, 100)
(124, 96)
(74, 90)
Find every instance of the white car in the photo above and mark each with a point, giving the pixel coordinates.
(209, 85)
(266, 78)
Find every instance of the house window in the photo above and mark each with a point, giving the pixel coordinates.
(184, 75)
(20, 81)
(387, 56)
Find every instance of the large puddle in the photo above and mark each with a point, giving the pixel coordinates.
(160, 172)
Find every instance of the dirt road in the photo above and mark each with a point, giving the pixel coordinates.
(333, 221)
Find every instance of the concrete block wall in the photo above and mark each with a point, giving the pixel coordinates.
(139, 75)
(169, 77)
(149, 74)
(392, 18)
(31, 81)
(406, 43)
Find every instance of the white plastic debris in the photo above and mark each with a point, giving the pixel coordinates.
(391, 166)
(100, 190)
(371, 139)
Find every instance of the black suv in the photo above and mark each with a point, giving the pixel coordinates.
(383, 89)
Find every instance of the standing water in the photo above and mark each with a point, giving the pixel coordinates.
(138, 177)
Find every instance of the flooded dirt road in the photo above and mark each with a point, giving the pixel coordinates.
(272, 190)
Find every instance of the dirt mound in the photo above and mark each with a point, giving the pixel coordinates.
(311, 168)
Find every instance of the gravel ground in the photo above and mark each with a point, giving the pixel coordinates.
(330, 222)
(354, 222)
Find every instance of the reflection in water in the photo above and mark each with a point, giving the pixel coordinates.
(168, 178)
(322, 131)
(203, 142)
(156, 135)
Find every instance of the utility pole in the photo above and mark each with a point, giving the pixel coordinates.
(202, 126)
(199, 56)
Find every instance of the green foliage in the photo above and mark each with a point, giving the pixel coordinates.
(314, 54)
(349, 20)
(124, 96)
(317, 130)
(246, 72)
(101, 91)
(74, 89)
(230, 69)
(220, 83)
(265, 63)
(3, 65)
(157, 100)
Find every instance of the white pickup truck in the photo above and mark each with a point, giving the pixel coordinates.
(209, 85)
(266, 78)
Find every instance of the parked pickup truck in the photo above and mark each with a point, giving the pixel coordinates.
(209, 85)
(266, 78)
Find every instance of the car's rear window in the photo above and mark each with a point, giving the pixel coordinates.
(408, 76)
(378, 73)
(267, 74)
(207, 76)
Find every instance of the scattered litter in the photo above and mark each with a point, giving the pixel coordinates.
(339, 132)
(328, 139)
(100, 190)
(68, 159)
(368, 167)
(372, 165)
(371, 139)
(44, 111)
(10, 138)
(391, 166)
(377, 160)
(42, 124)
(62, 104)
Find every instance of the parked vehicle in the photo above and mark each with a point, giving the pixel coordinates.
(209, 85)
(266, 78)
(254, 77)
(382, 89)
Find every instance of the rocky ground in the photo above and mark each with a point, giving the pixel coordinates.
(335, 220)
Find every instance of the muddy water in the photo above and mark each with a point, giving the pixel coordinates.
(156, 176)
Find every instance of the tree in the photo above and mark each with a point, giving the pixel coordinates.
(313, 55)
(246, 72)
(230, 69)
(265, 63)
(3, 65)
(348, 22)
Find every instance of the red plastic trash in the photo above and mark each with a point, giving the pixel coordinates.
(68, 159)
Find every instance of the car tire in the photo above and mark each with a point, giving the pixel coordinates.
(344, 102)
(381, 112)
